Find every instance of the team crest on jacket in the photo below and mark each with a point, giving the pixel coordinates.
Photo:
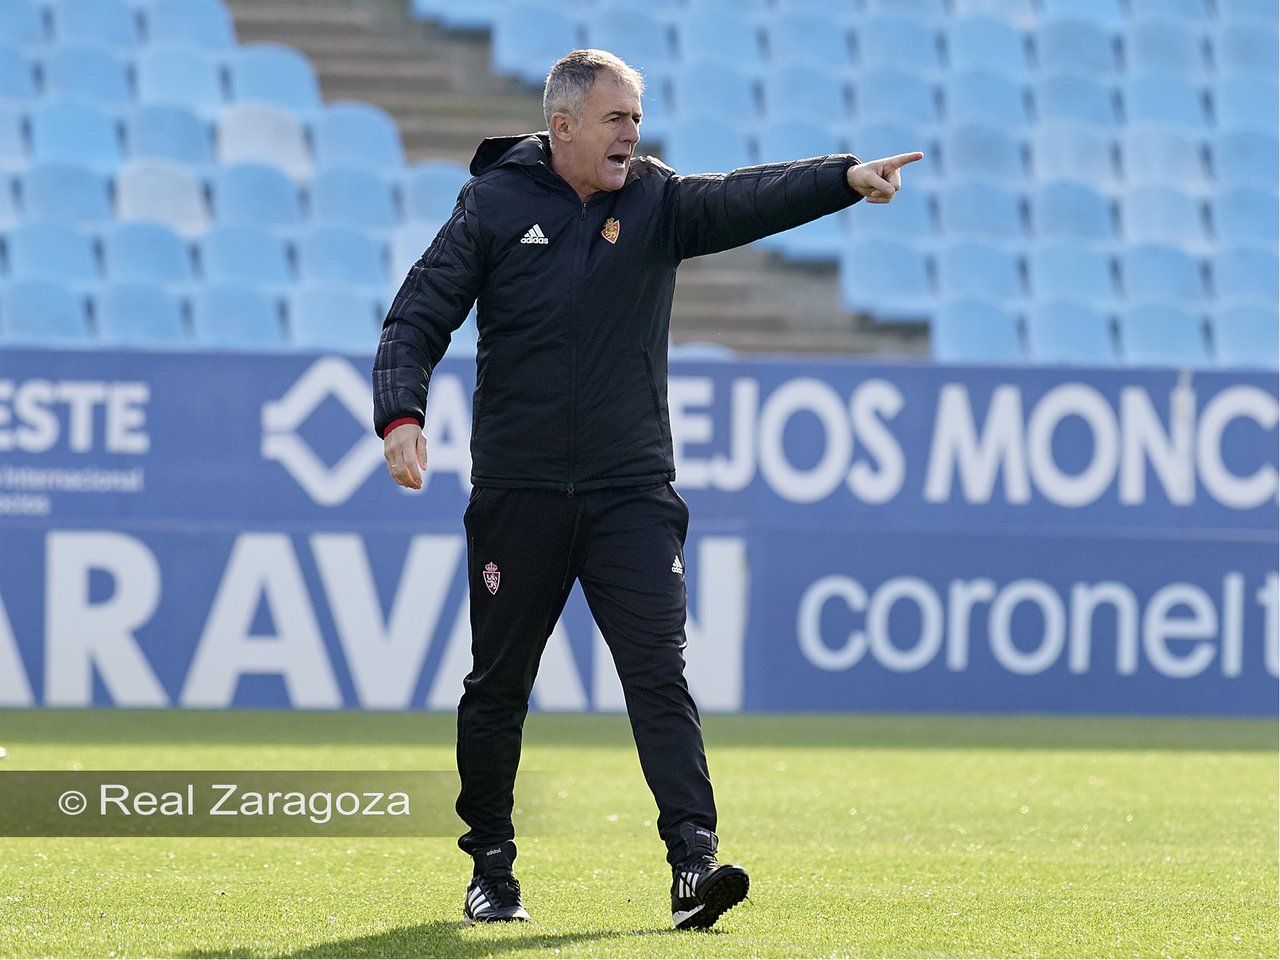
(491, 577)
(610, 231)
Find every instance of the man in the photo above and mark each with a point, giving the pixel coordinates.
(570, 244)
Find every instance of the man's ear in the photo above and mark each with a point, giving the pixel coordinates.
(561, 127)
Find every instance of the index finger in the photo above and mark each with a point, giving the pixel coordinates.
(902, 159)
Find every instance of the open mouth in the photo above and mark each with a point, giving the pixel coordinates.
(619, 160)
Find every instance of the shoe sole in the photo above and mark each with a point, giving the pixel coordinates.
(725, 889)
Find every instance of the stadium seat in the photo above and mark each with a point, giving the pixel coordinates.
(789, 140)
(1245, 103)
(1109, 13)
(42, 313)
(162, 191)
(1162, 214)
(706, 37)
(908, 219)
(146, 253)
(899, 288)
(65, 193)
(17, 76)
(169, 132)
(408, 243)
(139, 315)
(1246, 336)
(706, 146)
(1164, 98)
(1160, 335)
(971, 331)
(431, 190)
(1079, 152)
(1245, 157)
(1245, 274)
(983, 97)
(1240, 48)
(986, 43)
(894, 95)
(896, 42)
(86, 75)
(1074, 98)
(1069, 333)
(818, 241)
(235, 318)
(1253, 11)
(339, 255)
(705, 89)
(978, 270)
(51, 251)
(252, 194)
(261, 133)
(182, 75)
(1075, 45)
(634, 35)
(204, 23)
(1018, 13)
(357, 135)
(1153, 154)
(1060, 271)
(529, 36)
(974, 152)
(1194, 12)
(991, 212)
(333, 317)
(13, 145)
(275, 74)
(923, 10)
(245, 256)
(1245, 216)
(22, 23)
(807, 40)
(1164, 46)
(109, 23)
(355, 198)
(75, 133)
(802, 93)
(1164, 274)
(472, 15)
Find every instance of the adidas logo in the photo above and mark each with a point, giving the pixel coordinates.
(534, 235)
(677, 566)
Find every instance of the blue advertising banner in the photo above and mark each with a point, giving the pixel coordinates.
(216, 530)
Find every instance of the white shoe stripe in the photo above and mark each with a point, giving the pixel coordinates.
(680, 916)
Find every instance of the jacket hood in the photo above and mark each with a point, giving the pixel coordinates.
(524, 150)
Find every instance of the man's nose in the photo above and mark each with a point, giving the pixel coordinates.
(630, 132)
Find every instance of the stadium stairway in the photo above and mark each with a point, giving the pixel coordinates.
(439, 87)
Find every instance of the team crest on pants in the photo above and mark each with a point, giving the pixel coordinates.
(610, 231)
(491, 577)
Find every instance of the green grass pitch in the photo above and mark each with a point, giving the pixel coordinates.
(875, 836)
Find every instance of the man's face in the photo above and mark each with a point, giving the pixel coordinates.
(603, 138)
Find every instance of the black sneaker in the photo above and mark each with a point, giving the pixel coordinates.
(493, 895)
(702, 889)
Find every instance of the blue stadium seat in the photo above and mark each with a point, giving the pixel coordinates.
(974, 152)
(139, 315)
(42, 313)
(888, 42)
(106, 22)
(64, 192)
(527, 37)
(1073, 152)
(634, 35)
(22, 23)
(333, 317)
(887, 139)
(929, 11)
(87, 75)
(706, 37)
(1164, 98)
(1059, 271)
(1071, 211)
(790, 140)
(971, 331)
(1155, 273)
(1160, 335)
(357, 135)
(204, 23)
(808, 40)
(472, 15)
(13, 144)
(262, 133)
(17, 76)
(908, 219)
(162, 191)
(1253, 11)
(1246, 336)
(9, 214)
(1076, 98)
(1194, 12)
(431, 190)
(899, 288)
(146, 253)
(170, 132)
(235, 318)
(986, 43)
(1018, 13)
(355, 198)
(1245, 103)
(990, 212)
(339, 255)
(894, 95)
(978, 270)
(252, 194)
(51, 251)
(408, 243)
(983, 97)
(1245, 273)
(246, 256)
(705, 90)
(706, 146)
(1069, 333)
(183, 75)
(1109, 13)
(1157, 154)
(276, 74)
(1164, 46)
(1244, 157)
(1245, 216)
(1243, 48)
(1075, 45)
(75, 133)
(818, 241)
(803, 93)
(1162, 214)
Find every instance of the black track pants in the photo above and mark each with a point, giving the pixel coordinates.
(525, 548)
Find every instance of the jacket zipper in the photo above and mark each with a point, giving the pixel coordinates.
(573, 360)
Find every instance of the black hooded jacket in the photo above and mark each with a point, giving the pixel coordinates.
(574, 305)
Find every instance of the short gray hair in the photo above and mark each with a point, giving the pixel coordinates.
(572, 76)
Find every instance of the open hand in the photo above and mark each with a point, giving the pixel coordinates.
(879, 180)
(405, 449)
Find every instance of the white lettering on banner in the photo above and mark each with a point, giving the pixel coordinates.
(1170, 454)
(958, 449)
(36, 414)
(804, 394)
(1163, 621)
(15, 690)
(1225, 487)
(871, 405)
(1072, 399)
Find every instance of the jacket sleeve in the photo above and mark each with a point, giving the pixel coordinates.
(713, 212)
(433, 301)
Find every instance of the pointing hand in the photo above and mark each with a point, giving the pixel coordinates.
(879, 180)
